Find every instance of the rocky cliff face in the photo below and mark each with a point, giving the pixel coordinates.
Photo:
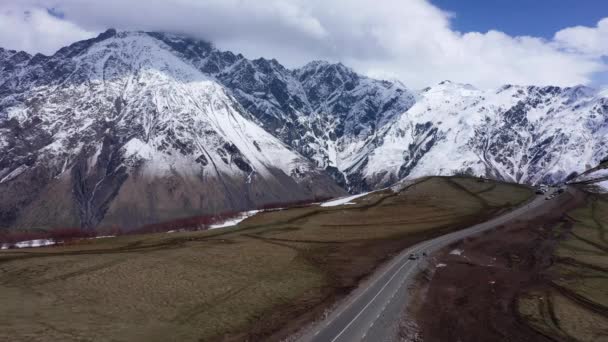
(131, 128)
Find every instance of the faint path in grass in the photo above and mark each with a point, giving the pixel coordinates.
(590, 242)
(484, 203)
(578, 263)
(488, 189)
(274, 240)
(581, 300)
(594, 215)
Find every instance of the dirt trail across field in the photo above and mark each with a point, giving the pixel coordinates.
(474, 285)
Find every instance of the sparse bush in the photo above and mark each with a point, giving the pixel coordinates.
(69, 234)
(190, 223)
(201, 222)
(204, 221)
(301, 203)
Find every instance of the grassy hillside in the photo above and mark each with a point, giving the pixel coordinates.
(259, 280)
(575, 306)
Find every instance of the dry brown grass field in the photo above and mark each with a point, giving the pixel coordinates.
(259, 280)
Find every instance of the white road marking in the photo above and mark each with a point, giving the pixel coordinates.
(413, 249)
(372, 300)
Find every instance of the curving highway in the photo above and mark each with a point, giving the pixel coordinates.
(372, 312)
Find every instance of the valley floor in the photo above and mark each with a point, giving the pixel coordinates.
(541, 278)
(261, 280)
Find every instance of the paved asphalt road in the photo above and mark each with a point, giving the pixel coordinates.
(363, 315)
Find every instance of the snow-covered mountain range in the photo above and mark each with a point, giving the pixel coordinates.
(523, 134)
(120, 130)
(131, 128)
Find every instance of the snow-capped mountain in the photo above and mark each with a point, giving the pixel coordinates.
(120, 130)
(325, 111)
(522, 134)
(370, 133)
(131, 128)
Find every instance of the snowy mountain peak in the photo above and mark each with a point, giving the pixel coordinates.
(325, 71)
(447, 88)
(185, 128)
(116, 115)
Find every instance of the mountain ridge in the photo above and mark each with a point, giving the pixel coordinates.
(129, 134)
(135, 127)
(345, 153)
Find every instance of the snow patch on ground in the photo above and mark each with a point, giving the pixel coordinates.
(343, 200)
(33, 243)
(456, 252)
(441, 265)
(235, 220)
(175, 231)
(44, 242)
(104, 237)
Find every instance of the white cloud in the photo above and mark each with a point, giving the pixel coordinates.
(408, 40)
(588, 40)
(33, 29)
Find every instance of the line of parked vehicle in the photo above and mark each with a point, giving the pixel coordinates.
(544, 189)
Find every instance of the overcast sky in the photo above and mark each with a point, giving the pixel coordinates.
(410, 40)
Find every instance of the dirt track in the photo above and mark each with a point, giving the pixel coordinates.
(472, 295)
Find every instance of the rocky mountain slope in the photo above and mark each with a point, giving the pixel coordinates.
(119, 130)
(325, 111)
(370, 133)
(522, 134)
(131, 128)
